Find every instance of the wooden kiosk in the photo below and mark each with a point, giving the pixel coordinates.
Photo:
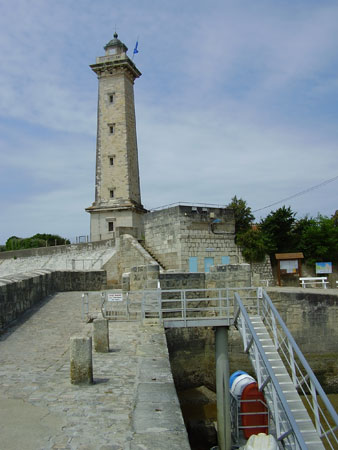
(289, 264)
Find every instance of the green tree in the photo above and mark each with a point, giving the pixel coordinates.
(252, 245)
(243, 215)
(38, 240)
(277, 230)
(319, 240)
(299, 229)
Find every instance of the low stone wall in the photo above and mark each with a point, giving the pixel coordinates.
(182, 280)
(58, 249)
(141, 277)
(147, 277)
(20, 292)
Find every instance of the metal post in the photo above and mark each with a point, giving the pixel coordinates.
(222, 388)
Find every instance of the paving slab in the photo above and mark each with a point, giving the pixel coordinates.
(131, 405)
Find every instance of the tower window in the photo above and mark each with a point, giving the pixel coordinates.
(111, 193)
(111, 128)
(111, 98)
(111, 160)
(110, 226)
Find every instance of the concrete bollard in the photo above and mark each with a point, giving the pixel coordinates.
(101, 335)
(81, 362)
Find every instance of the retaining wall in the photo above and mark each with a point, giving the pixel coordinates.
(19, 293)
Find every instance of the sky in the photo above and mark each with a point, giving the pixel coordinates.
(236, 97)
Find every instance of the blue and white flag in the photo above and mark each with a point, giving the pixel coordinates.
(135, 49)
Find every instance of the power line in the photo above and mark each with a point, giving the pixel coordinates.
(298, 193)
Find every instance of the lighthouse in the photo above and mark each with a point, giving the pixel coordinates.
(117, 206)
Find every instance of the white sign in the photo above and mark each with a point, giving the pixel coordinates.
(289, 266)
(115, 297)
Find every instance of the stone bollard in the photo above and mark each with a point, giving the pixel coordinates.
(81, 362)
(101, 335)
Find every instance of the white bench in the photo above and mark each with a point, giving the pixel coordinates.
(314, 280)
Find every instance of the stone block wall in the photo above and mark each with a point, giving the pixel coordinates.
(262, 274)
(148, 276)
(182, 280)
(162, 236)
(141, 277)
(311, 316)
(175, 234)
(19, 293)
(229, 275)
(129, 255)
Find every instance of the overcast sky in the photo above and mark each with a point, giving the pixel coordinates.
(236, 97)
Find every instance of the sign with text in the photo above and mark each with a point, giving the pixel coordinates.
(115, 297)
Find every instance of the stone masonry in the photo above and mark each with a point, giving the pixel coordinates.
(117, 188)
(178, 233)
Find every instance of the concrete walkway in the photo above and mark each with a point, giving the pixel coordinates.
(131, 405)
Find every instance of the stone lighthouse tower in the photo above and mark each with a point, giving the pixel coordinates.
(117, 207)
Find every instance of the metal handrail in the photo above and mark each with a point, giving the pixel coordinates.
(313, 385)
(198, 304)
(272, 378)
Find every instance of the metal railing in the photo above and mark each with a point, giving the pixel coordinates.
(237, 416)
(287, 430)
(83, 263)
(316, 401)
(197, 205)
(324, 417)
(194, 307)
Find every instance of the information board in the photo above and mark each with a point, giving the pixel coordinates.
(289, 266)
(323, 267)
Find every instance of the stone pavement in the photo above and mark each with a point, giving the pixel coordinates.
(132, 404)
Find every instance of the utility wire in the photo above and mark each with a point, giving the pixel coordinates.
(299, 193)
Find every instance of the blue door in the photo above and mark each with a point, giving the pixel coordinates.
(193, 264)
(225, 260)
(208, 262)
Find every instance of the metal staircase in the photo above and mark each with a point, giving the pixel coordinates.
(283, 374)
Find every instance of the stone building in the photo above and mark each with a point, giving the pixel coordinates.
(192, 238)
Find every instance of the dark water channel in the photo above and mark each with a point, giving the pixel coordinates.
(199, 412)
(198, 407)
